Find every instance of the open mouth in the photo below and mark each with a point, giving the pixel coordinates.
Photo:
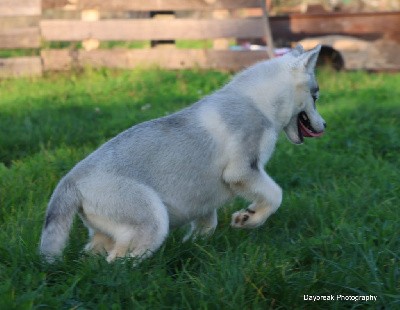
(305, 128)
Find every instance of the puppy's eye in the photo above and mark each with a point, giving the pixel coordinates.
(315, 97)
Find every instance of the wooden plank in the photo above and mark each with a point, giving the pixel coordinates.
(292, 27)
(20, 66)
(90, 15)
(20, 38)
(171, 59)
(18, 22)
(54, 4)
(165, 58)
(166, 5)
(221, 44)
(20, 7)
(58, 59)
(345, 23)
(149, 29)
(298, 26)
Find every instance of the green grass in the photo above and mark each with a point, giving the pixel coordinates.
(337, 231)
(19, 53)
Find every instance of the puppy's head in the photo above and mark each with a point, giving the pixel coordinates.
(305, 120)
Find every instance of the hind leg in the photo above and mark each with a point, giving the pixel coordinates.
(100, 243)
(137, 241)
(132, 215)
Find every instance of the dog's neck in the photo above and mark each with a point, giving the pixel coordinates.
(265, 86)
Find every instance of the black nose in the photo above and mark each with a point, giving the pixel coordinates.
(325, 125)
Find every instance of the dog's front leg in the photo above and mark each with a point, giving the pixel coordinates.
(254, 185)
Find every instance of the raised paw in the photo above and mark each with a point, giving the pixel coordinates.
(245, 218)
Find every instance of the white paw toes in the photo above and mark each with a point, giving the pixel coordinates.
(245, 219)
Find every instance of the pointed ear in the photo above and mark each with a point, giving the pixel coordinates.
(308, 60)
(297, 51)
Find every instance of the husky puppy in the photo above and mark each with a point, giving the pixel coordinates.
(179, 169)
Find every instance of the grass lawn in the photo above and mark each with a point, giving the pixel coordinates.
(336, 233)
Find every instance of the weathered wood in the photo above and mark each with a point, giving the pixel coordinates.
(221, 44)
(165, 58)
(20, 66)
(297, 26)
(20, 7)
(345, 23)
(291, 27)
(90, 15)
(18, 22)
(148, 29)
(20, 38)
(360, 54)
(268, 32)
(53, 4)
(58, 59)
(166, 15)
(166, 5)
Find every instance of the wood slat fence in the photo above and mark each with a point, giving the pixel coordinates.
(39, 26)
(24, 25)
(19, 29)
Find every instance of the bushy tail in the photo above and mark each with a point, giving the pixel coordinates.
(63, 205)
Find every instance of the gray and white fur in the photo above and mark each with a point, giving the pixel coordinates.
(178, 169)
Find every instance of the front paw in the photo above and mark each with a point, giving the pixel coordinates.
(245, 218)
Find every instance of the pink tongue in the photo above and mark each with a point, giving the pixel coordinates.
(308, 133)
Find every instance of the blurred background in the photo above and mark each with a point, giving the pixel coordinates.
(52, 35)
